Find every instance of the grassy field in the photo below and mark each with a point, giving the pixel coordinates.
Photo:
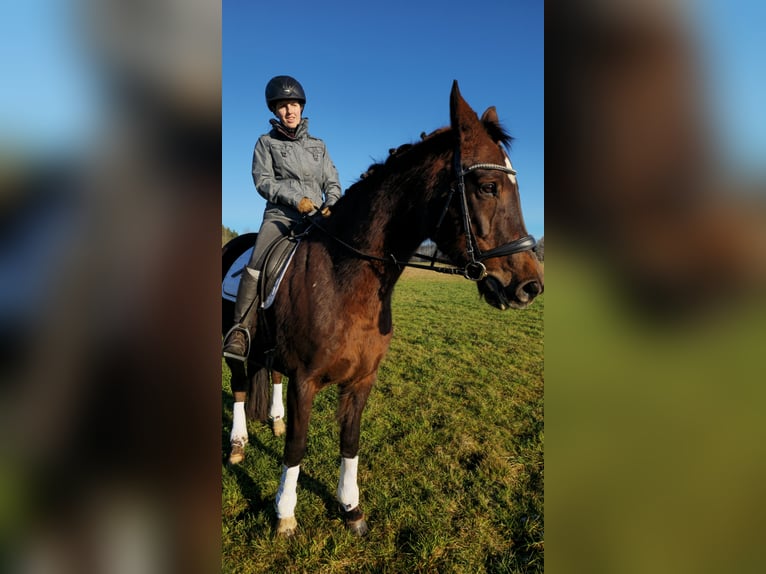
(451, 457)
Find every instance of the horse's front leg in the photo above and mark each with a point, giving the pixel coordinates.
(300, 397)
(353, 397)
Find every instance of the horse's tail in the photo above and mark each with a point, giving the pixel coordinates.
(257, 403)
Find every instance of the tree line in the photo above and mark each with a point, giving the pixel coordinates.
(227, 235)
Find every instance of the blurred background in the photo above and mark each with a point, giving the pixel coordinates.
(110, 167)
(655, 164)
(109, 299)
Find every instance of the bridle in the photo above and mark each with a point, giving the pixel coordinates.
(474, 270)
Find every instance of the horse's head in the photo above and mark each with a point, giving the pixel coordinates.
(483, 229)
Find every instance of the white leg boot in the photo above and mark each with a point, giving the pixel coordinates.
(286, 500)
(277, 411)
(239, 435)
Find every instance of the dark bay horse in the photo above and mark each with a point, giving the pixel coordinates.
(331, 318)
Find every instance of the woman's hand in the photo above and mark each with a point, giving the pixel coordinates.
(306, 206)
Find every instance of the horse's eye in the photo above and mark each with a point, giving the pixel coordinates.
(489, 188)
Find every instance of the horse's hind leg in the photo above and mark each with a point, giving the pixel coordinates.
(250, 398)
(353, 397)
(238, 437)
(277, 408)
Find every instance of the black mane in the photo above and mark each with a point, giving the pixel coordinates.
(496, 131)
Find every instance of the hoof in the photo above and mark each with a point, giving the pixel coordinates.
(286, 527)
(354, 521)
(278, 426)
(237, 451)
(358, 527)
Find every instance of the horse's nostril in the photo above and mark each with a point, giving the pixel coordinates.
(529, 290)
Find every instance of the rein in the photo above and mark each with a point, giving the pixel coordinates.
(452, 270)
(474, 270)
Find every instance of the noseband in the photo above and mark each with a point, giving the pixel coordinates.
(475, 269)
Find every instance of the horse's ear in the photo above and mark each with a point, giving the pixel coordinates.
(454, 99)
(494, 129)
(490, 115)
(462, 118)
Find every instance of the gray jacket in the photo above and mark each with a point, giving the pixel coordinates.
(286, 170)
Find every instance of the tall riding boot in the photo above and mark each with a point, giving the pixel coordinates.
(236, 344)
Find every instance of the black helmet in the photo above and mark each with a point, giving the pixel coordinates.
(284, 88)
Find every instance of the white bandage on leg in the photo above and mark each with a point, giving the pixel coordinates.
(239, 421)
(286, 495)
(348, 491)
(277, 409)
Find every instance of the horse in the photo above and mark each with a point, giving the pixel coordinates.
(330, 322)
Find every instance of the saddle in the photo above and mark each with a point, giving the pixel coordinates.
(275, 263)
(277, 259)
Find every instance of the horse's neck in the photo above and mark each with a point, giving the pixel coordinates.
(389, 219)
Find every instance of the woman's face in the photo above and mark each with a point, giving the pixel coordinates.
(289, 112)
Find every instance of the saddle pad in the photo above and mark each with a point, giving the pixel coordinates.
(231, 281)
(281, 255)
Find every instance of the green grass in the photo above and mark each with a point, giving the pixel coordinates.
(451, 456)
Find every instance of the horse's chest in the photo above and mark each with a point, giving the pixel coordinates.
(359, 345)
(356, 359)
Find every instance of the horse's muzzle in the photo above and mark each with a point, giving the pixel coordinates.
(514, 296)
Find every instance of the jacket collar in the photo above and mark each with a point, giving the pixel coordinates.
(300, 131)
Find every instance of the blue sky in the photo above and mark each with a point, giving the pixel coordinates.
(733, 47)
(376, 75)
(50, 104)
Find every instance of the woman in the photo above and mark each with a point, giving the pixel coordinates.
(294, 173)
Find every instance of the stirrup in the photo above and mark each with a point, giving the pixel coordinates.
(229, 355)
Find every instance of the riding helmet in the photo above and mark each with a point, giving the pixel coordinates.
(284, 88)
